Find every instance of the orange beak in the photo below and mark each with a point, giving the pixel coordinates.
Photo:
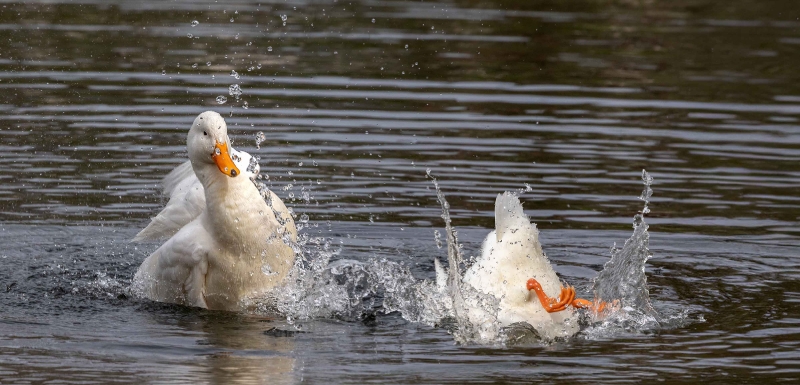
(223, 160)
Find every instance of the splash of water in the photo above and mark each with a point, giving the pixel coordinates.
(321, 284)
(474, 313)
(316, 287)
(350, 290)
(623, 279)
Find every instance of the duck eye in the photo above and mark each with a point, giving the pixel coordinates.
(205, 133)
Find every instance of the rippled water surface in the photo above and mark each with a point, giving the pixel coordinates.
(565, 101)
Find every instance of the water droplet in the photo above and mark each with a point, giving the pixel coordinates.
(189, 35)
(260, 138)
(437, 236)
(371, 219)
(195, 23)
(235, 91)
(163, 72)
(221, 99)
(194, 65)
(284, 18)
(216, 151)
(245, 105)
(208, 64)
(406, 46)
(269, 49)
(291, 195)
(304, 218)
(258, 66)
(373, 21)
(234, 74)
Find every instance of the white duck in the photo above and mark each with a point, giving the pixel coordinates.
(513, 268)
(235, 249)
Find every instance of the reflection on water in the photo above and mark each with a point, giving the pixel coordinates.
(245, 354)
(357, 99)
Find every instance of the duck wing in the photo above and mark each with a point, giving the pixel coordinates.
(176, 271)
(186, 202)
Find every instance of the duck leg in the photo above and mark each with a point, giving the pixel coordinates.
(565, 298)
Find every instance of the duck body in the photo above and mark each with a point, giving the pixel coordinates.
(510, 255)
(238, 247)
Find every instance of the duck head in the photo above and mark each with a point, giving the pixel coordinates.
(208, 143)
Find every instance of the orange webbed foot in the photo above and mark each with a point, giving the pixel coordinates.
(596, 307)
(565, 298)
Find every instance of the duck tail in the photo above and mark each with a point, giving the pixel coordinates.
(509, 217)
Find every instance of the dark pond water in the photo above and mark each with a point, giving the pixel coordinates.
(359, 98)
